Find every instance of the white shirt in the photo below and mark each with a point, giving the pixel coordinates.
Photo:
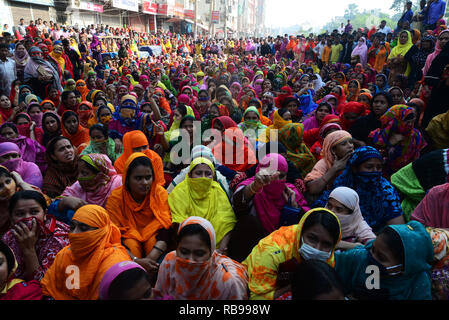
(319, 49)
(386, 30)
(7, 75)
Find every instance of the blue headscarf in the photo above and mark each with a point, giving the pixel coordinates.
(379, 201)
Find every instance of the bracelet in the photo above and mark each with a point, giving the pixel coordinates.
(159, 249)
(135, 258)
(252, 190)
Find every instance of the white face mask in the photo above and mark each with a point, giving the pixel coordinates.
(308, 252)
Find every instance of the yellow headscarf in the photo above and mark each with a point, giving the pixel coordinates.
(202, 197)
(280, 246)
(402, 49)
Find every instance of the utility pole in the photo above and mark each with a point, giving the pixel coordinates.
(212, 28)
(195, 26)
(226, 20)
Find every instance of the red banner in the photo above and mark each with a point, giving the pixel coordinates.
(150, 7)
(189, 14)
(215, 16)
(162, 9)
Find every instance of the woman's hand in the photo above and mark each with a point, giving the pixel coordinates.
(25, 237)
(158, 128)
(148, 264)
(340, 164)
(118, 146)
(32, 126)
(263, 179)
(290, 197)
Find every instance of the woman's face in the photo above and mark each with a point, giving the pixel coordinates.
(27, 208)
(97, 136)
(213, 111)
(352, 87)
(140, 181)
(380, 82)
(343, 148)
(444, 38)
(51, 125)
(383, 254)
(266, 85)
(20, 49)
(122, 91)
(318, 237)
(177, 115)
(396, 96)
(292, 107)
(403, 38)
(5, 103)
(321, 112)
(83, 107)
(380, 105)
(337, 207)
(371, 165)
(71, 124)
(25, 90)
(105, 112)
(336, 90)
(35, 111)
(79, 227)
(9, 156)
(304, 81)
(9, 133)
(48, 106)
(202, 171)
(363, 99)
(187, 92)
(64, 151)
(251, 115)
(193, 248)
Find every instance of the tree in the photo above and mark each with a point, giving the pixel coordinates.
(351, 11)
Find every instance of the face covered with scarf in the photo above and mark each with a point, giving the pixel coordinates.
(10, 156)
(128, 109)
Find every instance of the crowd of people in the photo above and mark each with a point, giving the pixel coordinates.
(278, 168)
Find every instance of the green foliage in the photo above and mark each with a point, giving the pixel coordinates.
(367, 18)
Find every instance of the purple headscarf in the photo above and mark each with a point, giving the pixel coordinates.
(29, 171)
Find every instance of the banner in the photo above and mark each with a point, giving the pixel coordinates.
(215, 16)
(162, 9)
(40, 2)
(76, 4)
(150, 7)
(189, 14)
(179, 10)
(130, 5)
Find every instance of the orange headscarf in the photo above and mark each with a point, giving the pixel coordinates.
(81, 138)
(81, 87)
(135, 139)
(139, 222)
(93, 252)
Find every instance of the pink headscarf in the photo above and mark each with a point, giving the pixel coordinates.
(433, 55)
(106, 180)
(433, 210)
(361, 50)
(29, 171)
(270, 201)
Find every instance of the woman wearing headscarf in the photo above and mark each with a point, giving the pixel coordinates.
(443, 38)
(49, 235)
(51, 125)
(344, 202)
(280, 117)
(11, 158)
(351, 112)
(140, 209)
(72, 129)
(404, 275)
(414, 180)
(396, 58)
(438, 131)
(378, 53)
(417, 57)
(274, 258)
(38, 72)
(28, 128)
(97, 178)
(399, 142)
(136, 141)
(21, 58)
(337, 149)
(259, 202)
(361, 50)
(13, 288)
(31, 150)
(207, 276)
(251, 125)
(317, 116)
(127, 116)
(94, 248)
(202, 195)
(379, 201)
(232, 143)
(62, 171)
(291, 136)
